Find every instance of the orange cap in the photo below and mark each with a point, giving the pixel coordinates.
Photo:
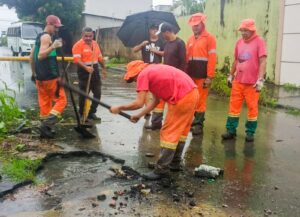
(248, 24)
(196, 19)
(134, 68)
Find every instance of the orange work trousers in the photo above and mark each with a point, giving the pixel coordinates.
(46, 96)
(203, 93)
(159, 108)
(239, 93)
(178, 121)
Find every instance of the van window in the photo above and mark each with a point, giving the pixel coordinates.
(18, 32)
(30, 31)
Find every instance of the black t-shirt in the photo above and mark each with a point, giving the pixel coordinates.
(175, 54)
(149, 57)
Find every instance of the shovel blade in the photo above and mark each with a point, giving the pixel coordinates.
(84, 133)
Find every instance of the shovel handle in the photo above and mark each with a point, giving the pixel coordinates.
(80, 92)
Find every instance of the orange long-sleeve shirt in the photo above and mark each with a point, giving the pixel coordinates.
(201, 55)
(87, 54)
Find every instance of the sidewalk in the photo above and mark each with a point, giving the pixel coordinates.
(288, 99)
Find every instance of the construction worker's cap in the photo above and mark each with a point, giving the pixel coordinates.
(248, 24)
(196, 19)
(53, 20)
(134, 68)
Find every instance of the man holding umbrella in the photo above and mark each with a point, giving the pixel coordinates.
(152, 49)
(177, 89)
(201, 58)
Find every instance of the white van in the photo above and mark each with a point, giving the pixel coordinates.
(21, 37)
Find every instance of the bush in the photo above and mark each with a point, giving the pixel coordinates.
(219, 84)
(117, 60)
(3, 41)
(10, 114)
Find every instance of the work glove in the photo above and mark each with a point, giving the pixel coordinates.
(259, 84)
(57, 43)
(229, 80)
(207, 83)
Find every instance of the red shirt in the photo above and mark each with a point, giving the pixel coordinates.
(165, 82)
(247, 55)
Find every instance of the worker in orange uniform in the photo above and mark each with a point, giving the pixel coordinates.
(201, 58)
(177, 89)
(45, 73)
(87, 55)
(247, 79)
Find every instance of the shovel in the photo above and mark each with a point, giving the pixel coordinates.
(82, 93)
(81, 129)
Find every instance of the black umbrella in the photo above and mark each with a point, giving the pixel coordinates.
(135, 27)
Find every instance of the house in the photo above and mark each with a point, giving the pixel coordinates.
(288, 46)
(166, 8)
(111, 13)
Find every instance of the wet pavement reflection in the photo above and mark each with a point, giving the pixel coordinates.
(259, 177)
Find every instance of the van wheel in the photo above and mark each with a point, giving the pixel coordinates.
(12, 50)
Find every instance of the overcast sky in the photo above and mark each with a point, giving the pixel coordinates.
(6, 17)
(162, 2)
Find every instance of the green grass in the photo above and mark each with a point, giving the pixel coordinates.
(20, 169)
(293, 111)
(290, 87)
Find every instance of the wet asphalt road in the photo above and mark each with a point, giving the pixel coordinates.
(259, 177)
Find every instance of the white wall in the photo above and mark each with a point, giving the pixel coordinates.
(101, 22)
(116, 8)
(290, 56)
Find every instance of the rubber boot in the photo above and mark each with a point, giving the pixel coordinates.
(198, 127)
(231, 125)
(47, 125)
(176, 162)
(161, 168)
(93, 116)
(196, 119)
(156, 121)
(250, 130)
(46, 132)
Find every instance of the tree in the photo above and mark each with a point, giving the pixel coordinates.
(190, 6)
(69, 11)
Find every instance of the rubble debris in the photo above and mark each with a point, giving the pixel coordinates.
(101, 197)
